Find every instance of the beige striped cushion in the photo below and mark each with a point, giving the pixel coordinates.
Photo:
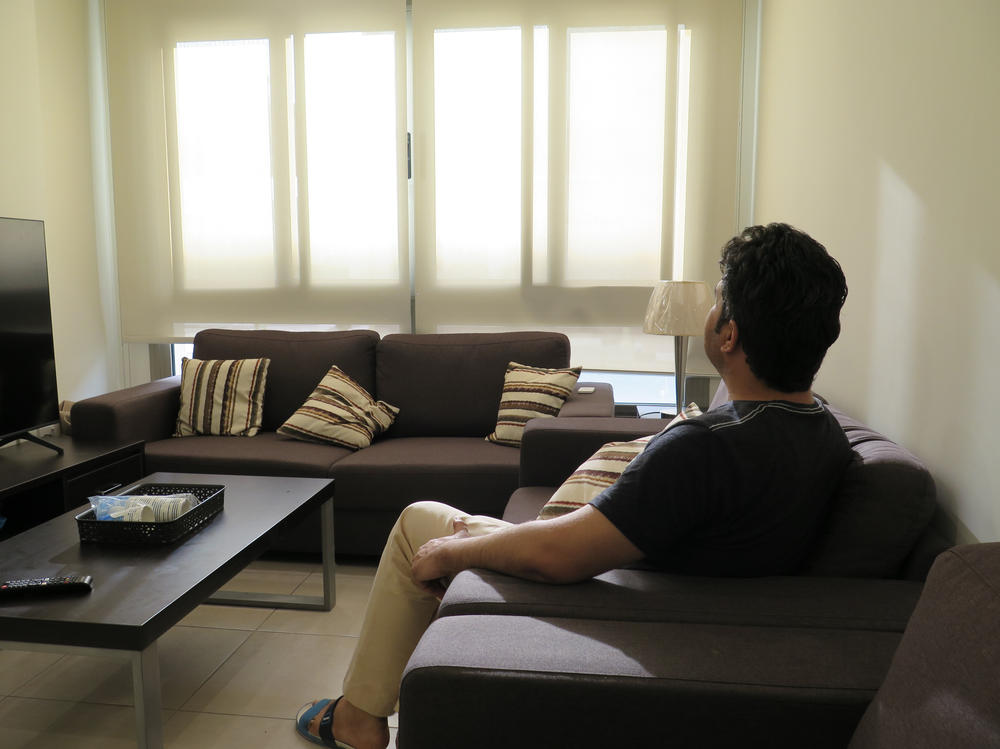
(221, 397)
(340, 412)
(530, 393)
(601, 470)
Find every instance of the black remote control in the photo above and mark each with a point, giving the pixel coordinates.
(48, 585)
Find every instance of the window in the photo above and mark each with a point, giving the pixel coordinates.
(565, 156)
(555, 185)
(282, 199)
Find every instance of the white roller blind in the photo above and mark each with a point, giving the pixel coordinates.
(546, 158)
(616, 124)
(259, 164)
(260, 170)
(224, 182)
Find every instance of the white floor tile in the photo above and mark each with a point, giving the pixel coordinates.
(55, 724)
(188, 657)
(18, 667)
(226, 617)
(273, 674)
(344, 619)
(267, 580)
(202, 730)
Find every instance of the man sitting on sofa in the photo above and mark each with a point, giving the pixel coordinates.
(740, 490)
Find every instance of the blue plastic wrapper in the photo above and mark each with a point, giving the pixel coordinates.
(126, 507)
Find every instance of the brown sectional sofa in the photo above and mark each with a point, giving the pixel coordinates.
(645, 658)
(446, 386)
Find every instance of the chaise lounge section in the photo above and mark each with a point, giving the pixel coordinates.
(645, 658)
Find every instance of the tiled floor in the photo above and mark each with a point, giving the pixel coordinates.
(232, 677)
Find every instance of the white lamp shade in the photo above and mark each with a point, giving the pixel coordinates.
(678, 308)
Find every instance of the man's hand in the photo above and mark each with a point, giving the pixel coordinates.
(432, 565)
(565, 549)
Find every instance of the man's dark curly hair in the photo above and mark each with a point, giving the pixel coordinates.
(785, 293)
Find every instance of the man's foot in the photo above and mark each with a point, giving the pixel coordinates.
(352, 726)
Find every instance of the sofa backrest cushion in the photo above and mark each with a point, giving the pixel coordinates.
(882, 508)
(449, 384)
(299, 360)
(885, 501)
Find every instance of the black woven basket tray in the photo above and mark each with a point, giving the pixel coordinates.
(124, 532)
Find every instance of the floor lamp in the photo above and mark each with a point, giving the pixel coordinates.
(678, 308)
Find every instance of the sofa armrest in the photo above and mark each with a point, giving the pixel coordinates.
(600, 402)
(551, 449)
(145, 412)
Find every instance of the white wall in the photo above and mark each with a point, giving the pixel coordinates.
(46, 173)
(878, 134)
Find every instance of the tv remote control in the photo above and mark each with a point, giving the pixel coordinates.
(71, 584)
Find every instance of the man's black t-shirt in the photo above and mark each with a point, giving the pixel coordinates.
(740, 490)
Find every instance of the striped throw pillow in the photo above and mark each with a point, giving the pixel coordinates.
(530, 393)
(601, 470)
(339, 412)
(221, 397)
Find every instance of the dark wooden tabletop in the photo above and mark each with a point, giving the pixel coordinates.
(140, 591)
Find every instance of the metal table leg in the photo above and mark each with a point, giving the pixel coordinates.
(145, 683)
(291, 601)
(148, 702)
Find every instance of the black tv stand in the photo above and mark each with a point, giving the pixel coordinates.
(36, 484)
(31, 438)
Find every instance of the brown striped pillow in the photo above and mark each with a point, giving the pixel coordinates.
(221, 397)
(530, 393)
(340, 412)
(601, 470)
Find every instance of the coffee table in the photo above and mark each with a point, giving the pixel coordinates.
(142, 591)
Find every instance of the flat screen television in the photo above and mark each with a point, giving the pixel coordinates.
(28, 397)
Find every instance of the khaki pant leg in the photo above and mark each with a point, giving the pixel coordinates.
(399, 610)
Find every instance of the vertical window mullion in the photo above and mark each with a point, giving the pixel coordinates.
(280, 167)
(173, 171)
(527, 153)
(301, 159)
(682, 87)
(558, 152)
(540, 97)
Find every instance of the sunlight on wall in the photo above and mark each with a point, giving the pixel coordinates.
(978, 456)
(899, 231)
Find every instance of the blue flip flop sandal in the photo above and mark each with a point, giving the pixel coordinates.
(325, 738)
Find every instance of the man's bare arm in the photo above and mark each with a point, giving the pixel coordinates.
(566, 549)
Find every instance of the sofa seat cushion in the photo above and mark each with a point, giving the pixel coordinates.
(467, 472)
(646, 595)
(670, 684)
(449, 384)
(267, 454)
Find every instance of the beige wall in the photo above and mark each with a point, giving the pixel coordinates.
(45, 147)
(878, 134)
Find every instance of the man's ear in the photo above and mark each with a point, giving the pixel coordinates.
(730, 335)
